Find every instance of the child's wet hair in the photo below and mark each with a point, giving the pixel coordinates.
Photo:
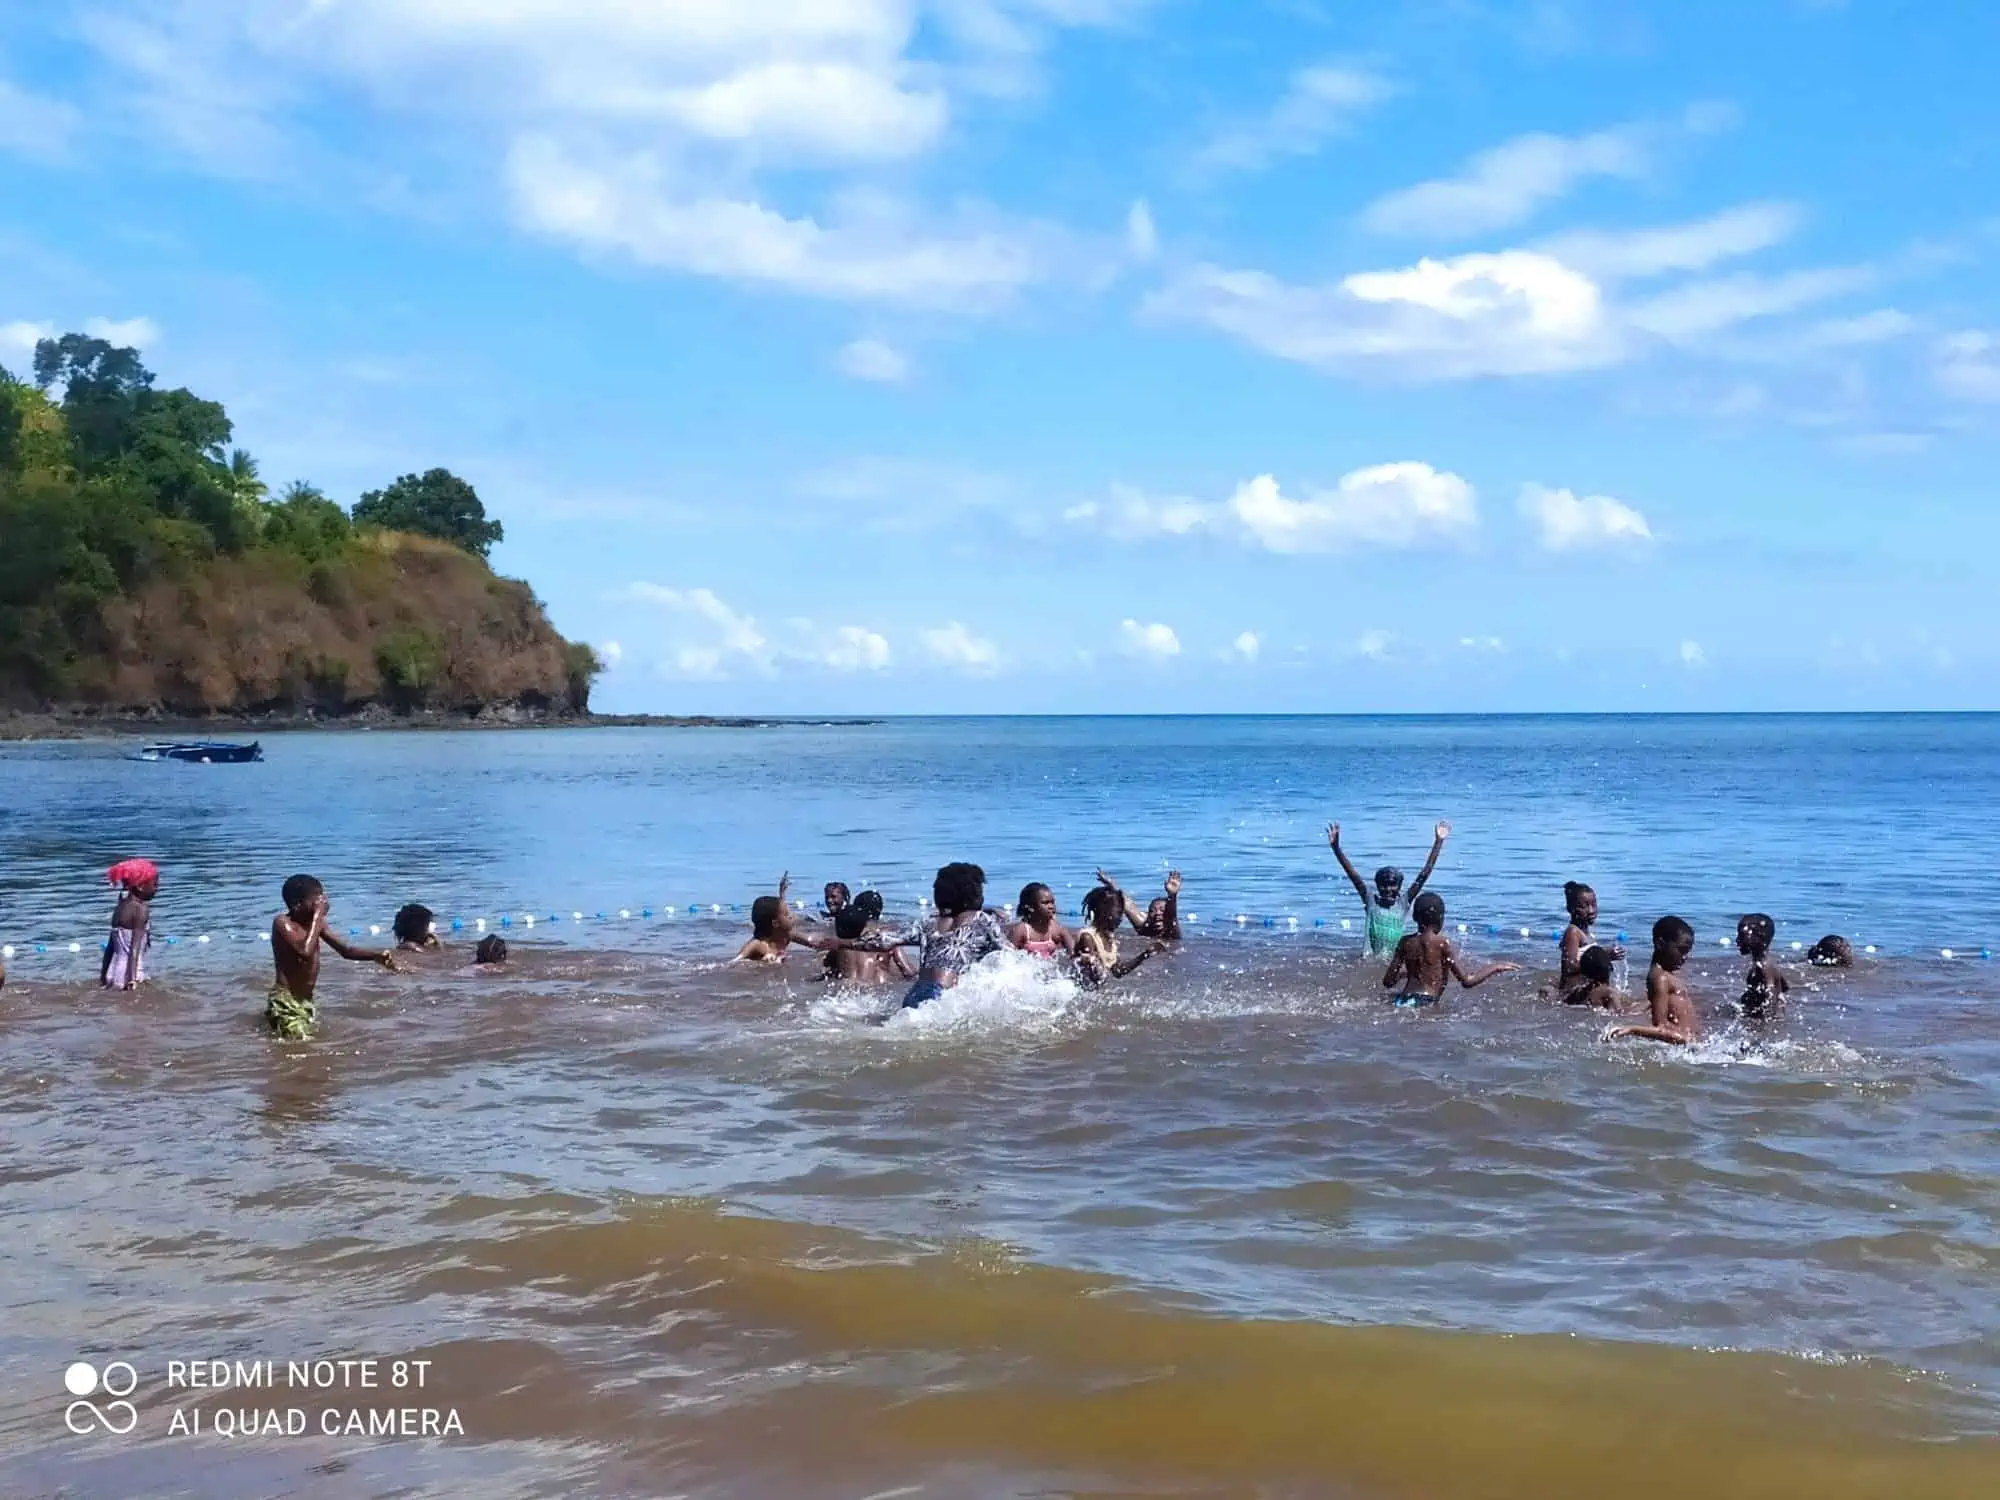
(850, 921)
(1573, 893)
(1387, 877)
(959, 888)
(492, 949)
(300, 890)
(1594, 964)
(412, 924)
(764, 914)
(1429, 911)
(869, 904)
(1831, 952)
(1672, 933)
(1029, 892)
(1102, 904)
(1759, 929)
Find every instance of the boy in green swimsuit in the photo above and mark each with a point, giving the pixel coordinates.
(295, 942)
(1387, 907)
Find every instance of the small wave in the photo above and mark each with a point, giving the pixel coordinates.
(1013, 993)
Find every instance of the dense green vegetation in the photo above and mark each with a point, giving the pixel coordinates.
(144, 563)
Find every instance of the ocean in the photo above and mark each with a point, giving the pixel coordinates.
(645, 1224)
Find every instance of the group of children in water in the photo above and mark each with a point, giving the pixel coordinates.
(1421, 963)
(856, 948)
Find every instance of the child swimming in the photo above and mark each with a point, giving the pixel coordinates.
(491, 952)
(295, 943)
(1581, 903)
(1674, 1018)
(1764, 986)
(771, 930)
(1097, 945)
(1387, 907)
(124, 966)
(414, 929)
(846, 965)
(1424, 961)
(1162, 918)
(1038, 931)
(957, 935)
(1592, 985)
(1831, 952)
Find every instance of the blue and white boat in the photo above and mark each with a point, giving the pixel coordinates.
(202, 752)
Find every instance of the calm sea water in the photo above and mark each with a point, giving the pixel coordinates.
(1232, 1228)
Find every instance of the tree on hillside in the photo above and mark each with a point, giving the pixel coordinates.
(168, 444)
(10, 419)
(437, 504)
(249, 491)
(306, 523)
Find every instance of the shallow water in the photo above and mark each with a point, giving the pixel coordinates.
(1233, 1228)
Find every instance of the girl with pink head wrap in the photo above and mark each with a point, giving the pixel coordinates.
(138, 882)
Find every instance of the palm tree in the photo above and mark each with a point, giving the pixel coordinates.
(249, 490)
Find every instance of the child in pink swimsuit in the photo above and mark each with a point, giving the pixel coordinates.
(1038, 932)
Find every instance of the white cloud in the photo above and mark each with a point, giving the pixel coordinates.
(1374, 645)
(688, 136)
(1513, 313)
(1154, 641)
(1566, 522)
(1695, 246)
(36, 126)
(1387, 505)
(850, 648)
(128, 333)
(1486, 644)
(1318, 102)
(875, 251)
(1692, 655)
(1504, 186)
(1881, 326)
(1967, 366)
(20, 338)
(871, 359)
(1524, 312)
(1507, 184)
(610, 653)
(1246, 647)
(954, 646)
(1142, 236)
(707, 639)
(1699, 309)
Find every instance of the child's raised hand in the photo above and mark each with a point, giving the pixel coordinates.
(1443, 830)
(1333, 835)
(1106, 881)
(1173, 882)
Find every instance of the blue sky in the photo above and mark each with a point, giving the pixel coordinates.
(1070, 355)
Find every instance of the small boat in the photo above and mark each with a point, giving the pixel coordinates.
(202, 752)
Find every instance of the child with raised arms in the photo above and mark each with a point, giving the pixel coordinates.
(1387, 907)
(1097, 945)
(1424, 962)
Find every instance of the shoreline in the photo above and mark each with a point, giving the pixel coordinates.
(24, 727)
